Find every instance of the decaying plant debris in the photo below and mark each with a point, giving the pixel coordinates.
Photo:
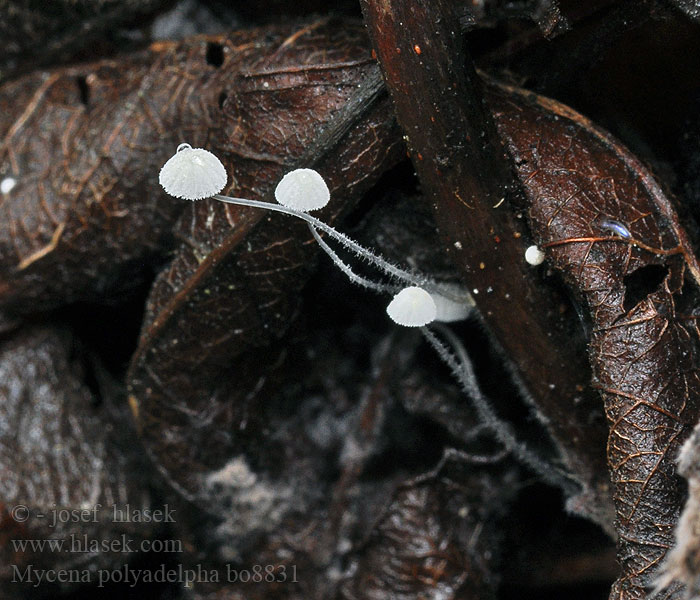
(206, 357)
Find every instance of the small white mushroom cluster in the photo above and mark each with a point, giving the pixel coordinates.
(196, 173)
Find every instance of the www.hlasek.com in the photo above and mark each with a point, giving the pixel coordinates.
(161, 574)
(77, 544)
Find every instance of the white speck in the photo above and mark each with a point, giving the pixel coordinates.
(412, 307)
(534, 256)
(475, 291)
(302, 189)
(193, 174)
(7, 184)
(489, 290)
(266, 84)
(552, 386)
(458, 245)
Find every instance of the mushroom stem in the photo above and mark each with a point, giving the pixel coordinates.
(456, 358)
(381, 264)
(347, 269)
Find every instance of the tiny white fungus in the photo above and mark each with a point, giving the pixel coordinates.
(412, 307)
(302, 189)
(193, 174)
(449, 310)
(534, 256)
(7, 184)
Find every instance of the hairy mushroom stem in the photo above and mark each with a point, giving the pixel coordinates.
(378, 262)
(347, 269)
(455, 356)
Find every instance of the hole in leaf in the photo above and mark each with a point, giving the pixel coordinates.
(215, 54)
(83, 89)
(642, 282)
(222, 99)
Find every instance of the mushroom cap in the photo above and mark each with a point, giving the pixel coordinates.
(534, 256)
(302, 189)
(449, 310)
(412, 307)
(193, 174)
(7, 184)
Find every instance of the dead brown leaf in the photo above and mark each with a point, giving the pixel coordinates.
(616, 239)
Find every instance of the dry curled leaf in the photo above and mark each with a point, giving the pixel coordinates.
(613, 234)
(81, 146)
(86, 218)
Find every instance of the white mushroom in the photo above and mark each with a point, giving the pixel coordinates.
(534, 256)
(448, 309)
(193, 174)
(7, 184)
(302, 189)
(412, 307)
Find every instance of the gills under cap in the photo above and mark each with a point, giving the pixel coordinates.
(412, 307)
